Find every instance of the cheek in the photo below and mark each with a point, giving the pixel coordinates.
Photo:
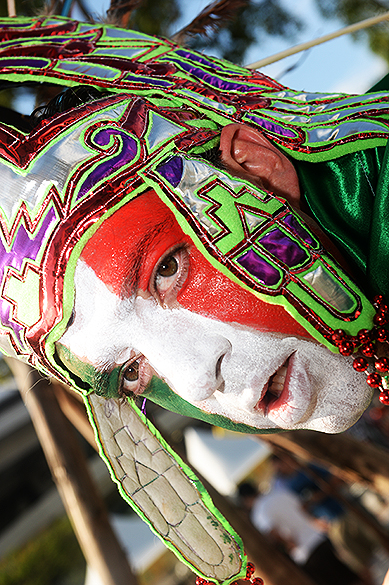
(211, 293)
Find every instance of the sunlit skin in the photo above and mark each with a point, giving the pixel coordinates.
(149, 303)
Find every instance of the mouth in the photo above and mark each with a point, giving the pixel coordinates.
(273, 390)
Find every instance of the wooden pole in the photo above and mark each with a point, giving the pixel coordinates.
(347, 458)
(11, 8)
(67, 463)
(309, 44)
(75, 412)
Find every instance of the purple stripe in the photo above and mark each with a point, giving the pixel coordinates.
(109, 164)
(202, 61)
(172, 170)
(212, 79)
(24, 62)
(283, 248)
(259, 268)
(12, 25)
(150, 80)
(272, 127)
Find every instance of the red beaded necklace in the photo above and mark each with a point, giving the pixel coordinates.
(372, 344)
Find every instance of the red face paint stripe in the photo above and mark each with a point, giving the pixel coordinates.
(128, 245)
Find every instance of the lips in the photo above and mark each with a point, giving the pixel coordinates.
(288, 396)
(274, 389)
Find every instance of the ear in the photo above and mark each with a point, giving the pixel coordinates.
(248, 154)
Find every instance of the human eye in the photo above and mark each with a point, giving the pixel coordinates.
(170, 275)
(135, 374)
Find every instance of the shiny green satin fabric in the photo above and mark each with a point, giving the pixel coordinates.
(349, 198)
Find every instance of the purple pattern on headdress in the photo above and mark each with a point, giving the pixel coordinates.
(172, 170)
(271, 126)
(24, 62)
(198, 58)
(283, 248)
(109, 165)
(24, 247)
(259, 268)
(212, 79)
(150, 80)
(202, 61)
(299, 230)
(16, 25)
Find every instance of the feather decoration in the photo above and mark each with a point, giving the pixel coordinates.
(211, 18)
(120, 8)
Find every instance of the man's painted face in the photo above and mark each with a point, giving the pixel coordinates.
(149, 303)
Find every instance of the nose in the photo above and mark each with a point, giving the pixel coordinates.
(197, 378)
(185, 349)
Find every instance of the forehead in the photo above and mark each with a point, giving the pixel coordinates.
(125, 251)
(130, 241)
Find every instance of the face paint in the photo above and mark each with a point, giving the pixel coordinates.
(222, 359)
(167, 103)
(127, 249)
(258, 379)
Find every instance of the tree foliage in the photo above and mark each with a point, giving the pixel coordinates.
(155, 17)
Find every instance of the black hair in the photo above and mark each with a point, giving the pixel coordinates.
(66, 100)
(213, 156)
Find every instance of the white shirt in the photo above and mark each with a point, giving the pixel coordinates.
(281, 510)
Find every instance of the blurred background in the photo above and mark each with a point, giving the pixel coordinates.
(341, 482)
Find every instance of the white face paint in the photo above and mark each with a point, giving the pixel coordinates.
(257, 378)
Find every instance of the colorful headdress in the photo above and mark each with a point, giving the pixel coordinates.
(161, 106)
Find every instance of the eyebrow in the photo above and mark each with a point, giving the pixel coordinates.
(137, 260)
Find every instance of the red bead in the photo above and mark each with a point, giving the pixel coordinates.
(250, 570)
(368, 349)
(346, 347)
(377, 300)
(364, 335)
(380, 319)
(338, 335)
(382, 335)
(257, 581)
(360, 364)
(374, 380)
(382, 308)
(384, 397)
(382, 364)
